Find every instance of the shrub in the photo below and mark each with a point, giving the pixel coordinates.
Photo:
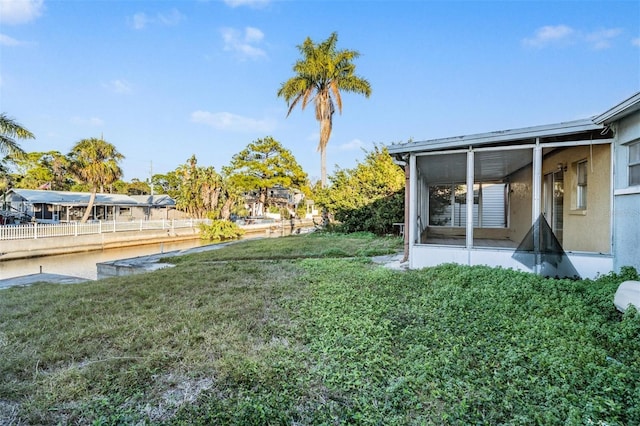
(369, 197)
(220, 230)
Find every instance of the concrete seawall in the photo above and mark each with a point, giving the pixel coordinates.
(21, 249)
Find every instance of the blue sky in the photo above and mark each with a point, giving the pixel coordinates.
(162, 80)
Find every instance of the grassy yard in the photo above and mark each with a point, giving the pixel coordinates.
(307, 330)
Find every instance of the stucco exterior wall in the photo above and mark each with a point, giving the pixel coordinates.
(626, 201)
(520, 200)
(590, 229)
(626, 233)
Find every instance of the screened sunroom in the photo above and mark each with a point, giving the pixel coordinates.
(477, 199)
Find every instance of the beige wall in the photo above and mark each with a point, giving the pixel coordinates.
(586, 230)
(590, 229)
(583, 230)
(520, 199)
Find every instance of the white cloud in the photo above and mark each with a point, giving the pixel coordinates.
(352, 145)
(602, 39)
(171, 18)
(243, 43)
(118, 86)
(5, 40)
(563, 35)
(20, 11)
(232, 122)
(141, 20)
(550, 34)
(92, 121)
(635, 41)
(250, 3)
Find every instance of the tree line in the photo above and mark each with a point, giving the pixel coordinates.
(368, 197)
(320, 75)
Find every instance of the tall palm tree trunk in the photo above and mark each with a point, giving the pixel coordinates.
(325, 133)
(87, 212)
(323, 167)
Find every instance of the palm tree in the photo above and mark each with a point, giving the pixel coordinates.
(95, 162)
(321, 74)
(9, 130)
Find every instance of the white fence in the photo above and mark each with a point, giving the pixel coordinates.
(46, 230)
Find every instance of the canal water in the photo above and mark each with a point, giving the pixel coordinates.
(84, 264)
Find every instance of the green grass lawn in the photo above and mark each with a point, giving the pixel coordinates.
(307, 330)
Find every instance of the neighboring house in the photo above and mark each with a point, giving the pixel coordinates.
(582, 177)
(64, 206)
(154, 207)
(282, 198)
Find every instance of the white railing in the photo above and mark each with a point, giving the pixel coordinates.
(47, 230)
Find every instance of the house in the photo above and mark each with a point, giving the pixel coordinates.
(277, 196)
(561, 196)
(65, 206)
(153, 207)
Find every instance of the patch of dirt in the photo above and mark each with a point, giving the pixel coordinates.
(9, 413)
(178, 391)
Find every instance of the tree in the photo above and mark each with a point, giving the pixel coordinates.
(369, 197)
(94, 162)
(262, 165)
(135, 187)
(321, 75)
(42, 170)
(168, 183)
(199, 190)
(9, 131)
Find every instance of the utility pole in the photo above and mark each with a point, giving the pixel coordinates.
(151, 177)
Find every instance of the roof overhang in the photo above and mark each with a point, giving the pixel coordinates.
(545, 133)
(618, 112)
(78, 199)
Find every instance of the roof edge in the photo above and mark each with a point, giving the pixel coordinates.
(523, 133)
(619, 111)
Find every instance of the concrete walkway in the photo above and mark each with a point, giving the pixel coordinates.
(40, 278)
(392, 261)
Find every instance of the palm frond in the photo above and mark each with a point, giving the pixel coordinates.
(321, 75)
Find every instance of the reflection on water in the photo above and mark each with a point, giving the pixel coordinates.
(84, 264)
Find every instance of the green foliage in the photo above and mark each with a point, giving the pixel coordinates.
(10, 130)
(461, 345)
(168, 183)
(135, 187)
(319, 341)
(50, 169)
(95, 162)
(199, 190)
(220, 230)
(312, 245)
(262, 165)
(321, 75)
(369, 197)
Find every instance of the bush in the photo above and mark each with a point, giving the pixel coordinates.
(369, 197)
(220, 230)
(377, 217)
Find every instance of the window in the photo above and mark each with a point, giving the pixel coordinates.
(448, 205)
(581, 192)
(634, 164)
